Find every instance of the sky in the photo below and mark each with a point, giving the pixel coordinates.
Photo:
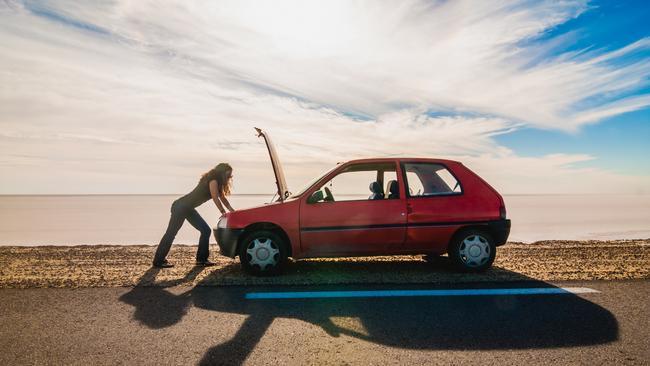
(141, 97)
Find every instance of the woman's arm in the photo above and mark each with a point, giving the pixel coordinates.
(214, 192)
(225, 202)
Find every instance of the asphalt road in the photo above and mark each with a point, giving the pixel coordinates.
(218, 325)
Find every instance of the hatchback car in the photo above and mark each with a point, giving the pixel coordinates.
(369, 207)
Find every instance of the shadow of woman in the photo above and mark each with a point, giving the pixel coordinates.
(156, 307)
(236, 350)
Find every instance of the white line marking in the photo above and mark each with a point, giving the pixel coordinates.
(407, 293)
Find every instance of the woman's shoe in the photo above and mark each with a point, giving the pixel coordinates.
(163, 264)
(205, 263)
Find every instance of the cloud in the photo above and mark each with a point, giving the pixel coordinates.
(142, 96)
(553, 174)
(450, 56)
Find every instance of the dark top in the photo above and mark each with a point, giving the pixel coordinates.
(199, 195)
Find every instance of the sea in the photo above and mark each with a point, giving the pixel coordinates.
(141, 219)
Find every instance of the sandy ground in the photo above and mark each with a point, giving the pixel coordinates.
(113, 266)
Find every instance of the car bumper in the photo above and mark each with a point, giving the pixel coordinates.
(227, 240)
(500, 230)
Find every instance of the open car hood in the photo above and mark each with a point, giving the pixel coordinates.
(280, 181)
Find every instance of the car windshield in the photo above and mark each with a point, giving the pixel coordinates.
(311, 183)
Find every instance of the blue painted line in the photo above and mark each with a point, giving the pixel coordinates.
(408, 293)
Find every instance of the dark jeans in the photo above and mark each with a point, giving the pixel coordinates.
(180, 213)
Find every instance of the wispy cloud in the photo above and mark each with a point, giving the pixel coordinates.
(169, 88)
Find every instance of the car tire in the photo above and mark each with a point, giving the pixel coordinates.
(263, 253)
(472, 250)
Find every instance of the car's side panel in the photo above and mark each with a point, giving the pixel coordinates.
(352, 227)
(284, 215)
(429, 239)
(432, 221)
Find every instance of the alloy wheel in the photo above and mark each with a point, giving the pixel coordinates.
(474, 250)
(263, 252)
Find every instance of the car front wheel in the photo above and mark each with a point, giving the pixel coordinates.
(472, 251)
(263, 253)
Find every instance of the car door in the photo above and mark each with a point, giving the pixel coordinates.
(435, 206)
(346, 220)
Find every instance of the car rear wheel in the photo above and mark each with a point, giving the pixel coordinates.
(472, 251)
(263, 253)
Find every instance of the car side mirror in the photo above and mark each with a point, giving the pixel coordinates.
(316, 197)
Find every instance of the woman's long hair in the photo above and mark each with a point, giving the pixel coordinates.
(222, 174)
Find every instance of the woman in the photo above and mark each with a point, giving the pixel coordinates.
(215, 184)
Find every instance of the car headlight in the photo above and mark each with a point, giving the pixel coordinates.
(223, 223)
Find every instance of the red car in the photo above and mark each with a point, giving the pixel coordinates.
(383, 206)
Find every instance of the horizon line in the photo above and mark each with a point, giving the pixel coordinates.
(271, 194)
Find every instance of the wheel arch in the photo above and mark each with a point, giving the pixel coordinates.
(266, 226)
(480, 227)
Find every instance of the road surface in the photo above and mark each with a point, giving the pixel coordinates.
(219, 325)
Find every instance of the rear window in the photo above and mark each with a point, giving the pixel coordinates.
(427, 179)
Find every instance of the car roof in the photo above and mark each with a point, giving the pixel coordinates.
(402, 159)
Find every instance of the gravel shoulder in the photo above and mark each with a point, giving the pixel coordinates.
(118, 266)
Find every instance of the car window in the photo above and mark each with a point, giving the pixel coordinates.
(311, 183)
(427, 179)
(415, 184)
(353, 184)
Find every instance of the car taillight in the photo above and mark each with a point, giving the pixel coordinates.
(502, 211)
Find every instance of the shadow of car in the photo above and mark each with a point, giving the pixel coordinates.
(430, 323)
